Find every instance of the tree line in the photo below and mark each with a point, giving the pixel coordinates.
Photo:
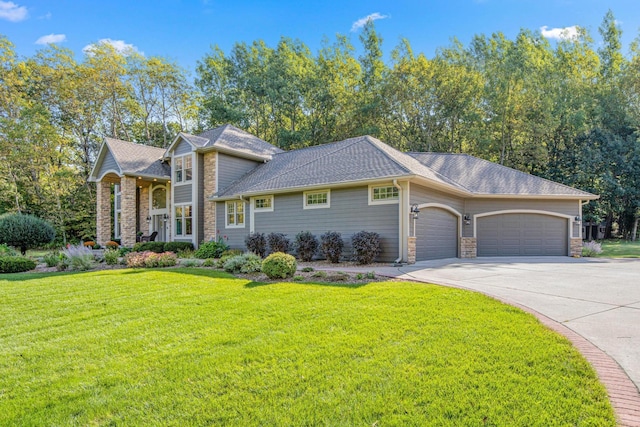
(568, 112)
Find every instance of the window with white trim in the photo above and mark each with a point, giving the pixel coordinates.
(235, 214)
(382, 194)
(184, 168)
(117, 200)
(184, 220)
(263, 204)
(317, 199)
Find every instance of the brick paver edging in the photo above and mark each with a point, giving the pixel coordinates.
(623, 393)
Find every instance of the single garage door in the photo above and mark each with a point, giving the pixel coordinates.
(522, 235)
(436, 234)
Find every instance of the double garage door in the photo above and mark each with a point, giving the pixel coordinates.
(513, 234)
(522, 235)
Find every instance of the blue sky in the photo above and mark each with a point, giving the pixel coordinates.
(184, 30)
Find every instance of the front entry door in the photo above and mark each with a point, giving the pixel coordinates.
(160, 225)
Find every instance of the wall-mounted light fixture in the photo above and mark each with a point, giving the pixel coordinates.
(165, 217)
(467, 219)
(577, 219)
(148, 218)
(414, 211)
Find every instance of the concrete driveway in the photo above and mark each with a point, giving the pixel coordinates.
(597, 298)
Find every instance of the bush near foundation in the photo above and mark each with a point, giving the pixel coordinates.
(366, 246)
(306, 245)
(278, 242)
(257, 244)
(331, 245)
(279, 266)
(16, 264)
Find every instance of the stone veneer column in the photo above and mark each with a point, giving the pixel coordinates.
(128, 212)
(575, 248)
(103, 212)
(468, 247)
(411, 250)
(209, 177)
(144, 211)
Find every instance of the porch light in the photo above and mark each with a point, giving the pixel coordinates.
(414, 211)
(467, 219)
(577, 219)
(148, 218)
(165, 217)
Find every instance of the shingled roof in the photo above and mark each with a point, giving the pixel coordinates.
(136, 159)
(365, 158)
(230, 139)
(482, 177)
(356, 159)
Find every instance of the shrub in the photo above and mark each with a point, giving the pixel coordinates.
(124, 251)
(252, 263)
(279, 265)
(371, 275)
(257, 244)
(111, 256)
(307, 269)
(25, 231)
(209, 262)
(226, 255)
(52, 259)
(339, 276)
(278, 242)
(157, 247)
(366, 246)
(78, 257)
(189, 263)
(590, 249)
(112, 245)
(319, 274)
(211, 249)
(89, 244)
(298, 278)
(16, 264)
(306, 245)
(178, 246)
(7, 250)
(150, 259)
(331, 245)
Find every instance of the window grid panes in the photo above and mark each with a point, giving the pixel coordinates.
(184, 169)
(263, 203)
(235, 214)
(184, 220)
(314, 199)
(385, 193)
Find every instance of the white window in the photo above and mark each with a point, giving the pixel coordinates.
(263, 204)
(235, 214)
(184, 220)
(317, 199)
(383, 194)
(184, 169)
(117, 199)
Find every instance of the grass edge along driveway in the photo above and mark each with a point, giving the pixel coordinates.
(199, 347)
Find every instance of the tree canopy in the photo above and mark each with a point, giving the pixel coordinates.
(568, 112)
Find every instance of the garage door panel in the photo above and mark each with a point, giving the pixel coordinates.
(522, 235)
(436, 234)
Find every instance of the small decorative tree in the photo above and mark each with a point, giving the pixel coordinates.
(25, 231)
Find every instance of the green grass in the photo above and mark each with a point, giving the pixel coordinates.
(199, 347)
(620, 249)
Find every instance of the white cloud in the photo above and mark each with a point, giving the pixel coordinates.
(51, 38)
(566, 33)
(362, 21)
(12, 12)
(118, 45)
(45, 16)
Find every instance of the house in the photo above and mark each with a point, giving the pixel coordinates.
(424, 205)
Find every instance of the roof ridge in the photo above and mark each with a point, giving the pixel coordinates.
(374, 141)
(288, 171)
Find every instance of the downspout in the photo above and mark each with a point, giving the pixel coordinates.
(400, 221)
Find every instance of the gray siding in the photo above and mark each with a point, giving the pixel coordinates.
(419, 195)
(230, 169)
(182, 148)
(108, 164)
(476, 206)
(235, 236)
(182, 193)
(348, 214)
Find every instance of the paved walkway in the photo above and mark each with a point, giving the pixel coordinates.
(593, 302)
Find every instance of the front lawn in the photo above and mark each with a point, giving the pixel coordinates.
(620, 249)
(199, 347)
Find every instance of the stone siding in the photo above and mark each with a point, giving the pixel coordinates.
(103, 217)
(128, 211)
(468, 247)
(575, 248)
(411, 257)
(144, 211)
(209, 176)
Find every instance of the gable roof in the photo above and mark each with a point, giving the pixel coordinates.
(367, 159)
(132, 159)
(229, 139)
(482, 177)
(357, 159)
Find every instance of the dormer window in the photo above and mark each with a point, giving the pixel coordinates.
(183, 169)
